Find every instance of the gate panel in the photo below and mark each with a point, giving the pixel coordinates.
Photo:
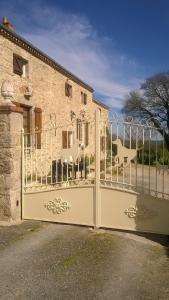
(71, 205)
(132, 211)
(134, 176)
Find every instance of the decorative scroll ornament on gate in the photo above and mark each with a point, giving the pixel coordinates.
(140, 212)
(57, 206)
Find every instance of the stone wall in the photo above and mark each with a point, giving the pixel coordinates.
(10, 163)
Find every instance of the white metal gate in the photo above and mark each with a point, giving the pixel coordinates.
(116, 175)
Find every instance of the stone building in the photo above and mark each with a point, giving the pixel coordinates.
(49, 94)
(45, 97)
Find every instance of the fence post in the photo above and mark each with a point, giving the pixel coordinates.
(22, 172)
(97, 208)
(11, 122)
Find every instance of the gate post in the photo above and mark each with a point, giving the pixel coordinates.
(22, 171)
(11, 122)
(97, 198)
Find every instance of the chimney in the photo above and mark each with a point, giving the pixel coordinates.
(6, 23)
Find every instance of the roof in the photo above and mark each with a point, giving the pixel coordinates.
(21, 42)
(101, 104)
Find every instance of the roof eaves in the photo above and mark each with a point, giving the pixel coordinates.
(21, 42)
(101, 104)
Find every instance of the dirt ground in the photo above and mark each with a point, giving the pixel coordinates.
(51, 261)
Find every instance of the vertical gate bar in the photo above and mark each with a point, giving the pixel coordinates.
(61, 170)
(51, 154)
(163, 168)
(84, 165)
(149, 161)
(136, 153)
(22, 172)
(84, 162)
(105, 150)
(31, 155)
(130, 148)
(97, 170)
(36, 157)
(143, 137)
(46, 175)
(41, 165)
(78, 168)
(124, 135)
(67, 138)
(56, 175)
(26, 159)
(66, 159)
(156, 166)
(89, 165)
(72, 175)
(117, 136)
(67, 171)
(111, 152)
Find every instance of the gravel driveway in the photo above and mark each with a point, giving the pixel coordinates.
(50, 261)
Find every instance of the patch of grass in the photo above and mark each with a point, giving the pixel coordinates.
(11, 235)
(70, 259)
(35, 227)
(18, 238)
(94, 249)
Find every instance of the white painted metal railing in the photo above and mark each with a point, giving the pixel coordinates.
(54, 157)
(121, 154)
(135, 158)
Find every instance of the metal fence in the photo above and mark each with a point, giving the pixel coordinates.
(58, 157)
(132, 156)
(136, 157)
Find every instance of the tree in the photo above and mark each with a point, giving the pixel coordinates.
(152, 103)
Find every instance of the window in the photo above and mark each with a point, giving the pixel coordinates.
(26, 116)
(26, 124)
(79, 130)
(82, 132)
(67, 139)
(38, 127)
(86, 134)
(83, 98)
(20, 66)
(26, 119)
(68, 90)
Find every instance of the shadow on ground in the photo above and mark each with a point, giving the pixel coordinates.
(157, 238)
(163, 240)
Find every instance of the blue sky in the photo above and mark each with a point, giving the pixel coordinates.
(112, 45)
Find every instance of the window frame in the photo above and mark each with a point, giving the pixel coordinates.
(67, 139)
(83, 98)
(38, 130)
(29, 109)
(68, 90)
(87, 134)
(23, 66)
(79, 130)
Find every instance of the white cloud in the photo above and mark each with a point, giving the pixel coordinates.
(73, 42)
